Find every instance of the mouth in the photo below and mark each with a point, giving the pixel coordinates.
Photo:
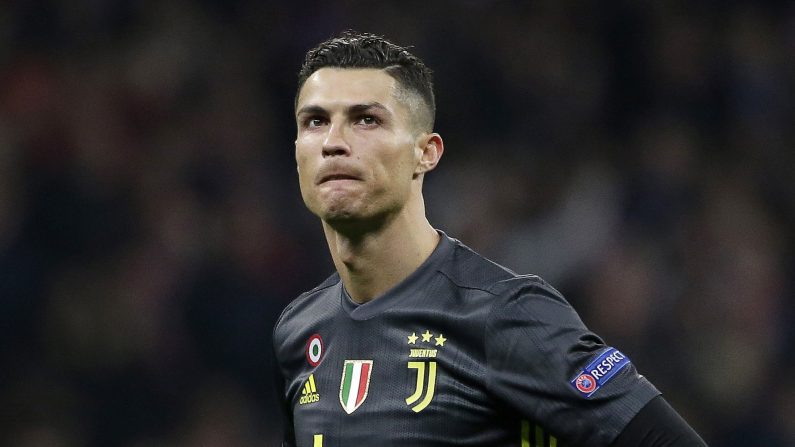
(334, 177)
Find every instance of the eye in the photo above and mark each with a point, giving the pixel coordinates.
(314, 121)
(368, 120)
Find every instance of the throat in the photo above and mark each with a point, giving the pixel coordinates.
(367, 275)
(371, 266)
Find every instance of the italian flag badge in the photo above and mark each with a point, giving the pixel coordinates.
(355, 383)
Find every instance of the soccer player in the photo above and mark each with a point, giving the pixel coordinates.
(417, 340)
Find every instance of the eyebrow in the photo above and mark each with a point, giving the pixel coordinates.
(351, 110)
(358, 108)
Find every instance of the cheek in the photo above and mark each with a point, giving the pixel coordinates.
(402, 163)
(304, 166)
(305, 173)
(302, 151)
(396, 172)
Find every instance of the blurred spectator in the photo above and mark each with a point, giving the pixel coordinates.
(637, 156)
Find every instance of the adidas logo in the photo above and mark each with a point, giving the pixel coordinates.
(309, 394)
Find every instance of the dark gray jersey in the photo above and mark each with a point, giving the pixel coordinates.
(462, 352)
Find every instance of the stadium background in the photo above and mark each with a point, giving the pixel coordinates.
(638, 155)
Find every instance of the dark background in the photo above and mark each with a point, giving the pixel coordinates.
(638, 155)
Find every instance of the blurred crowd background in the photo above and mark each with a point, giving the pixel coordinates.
(638, 155)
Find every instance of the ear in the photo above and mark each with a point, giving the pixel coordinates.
(429, 149)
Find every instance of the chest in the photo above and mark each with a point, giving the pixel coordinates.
(397, 381)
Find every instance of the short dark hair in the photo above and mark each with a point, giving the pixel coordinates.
(363, 50)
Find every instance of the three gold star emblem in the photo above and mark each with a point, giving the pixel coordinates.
(427, 336)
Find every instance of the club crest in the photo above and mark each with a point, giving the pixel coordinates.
(355, 383)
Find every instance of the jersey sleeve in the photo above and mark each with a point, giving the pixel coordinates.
(658, 425)
(287, 429)
(543, 363)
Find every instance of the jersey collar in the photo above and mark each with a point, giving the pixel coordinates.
(412, 285)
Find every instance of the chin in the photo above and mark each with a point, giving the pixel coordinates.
(342, 208)
(340, 217)
(338, 212)
(354, 214)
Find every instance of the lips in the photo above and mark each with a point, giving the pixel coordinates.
(332, 173)
(331, 177)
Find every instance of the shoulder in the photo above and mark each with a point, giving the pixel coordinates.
(531, 301)
(309, 304)
(524, 299)
(467, 268)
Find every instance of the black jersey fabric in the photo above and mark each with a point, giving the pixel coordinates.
(462, 352)
(658, 425)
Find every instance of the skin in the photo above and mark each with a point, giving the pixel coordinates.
(361, 162)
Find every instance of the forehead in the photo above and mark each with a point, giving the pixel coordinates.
(344, 86)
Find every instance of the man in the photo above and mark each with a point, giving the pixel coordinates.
(416, 340)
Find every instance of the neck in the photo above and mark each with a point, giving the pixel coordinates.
(372, 261)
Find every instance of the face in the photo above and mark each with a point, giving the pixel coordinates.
(357, 152)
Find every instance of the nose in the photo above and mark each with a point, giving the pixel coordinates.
(335, 144)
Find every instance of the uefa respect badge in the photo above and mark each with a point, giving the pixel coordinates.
(599, 371)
